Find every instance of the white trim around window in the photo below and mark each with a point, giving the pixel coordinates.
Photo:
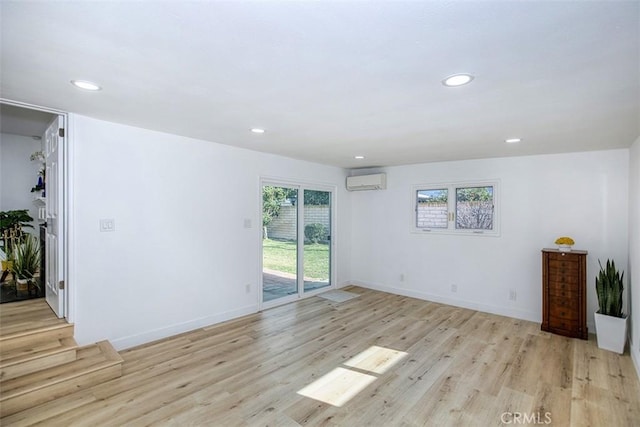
(463, 208)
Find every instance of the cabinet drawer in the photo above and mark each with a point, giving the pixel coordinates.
(569, 325)
(565, 313)
(555, 287)
(564, 266)
(563, 278)
(568, 294)
(563, 302)
(564, 256)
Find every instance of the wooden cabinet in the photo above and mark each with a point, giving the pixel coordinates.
(564, 293)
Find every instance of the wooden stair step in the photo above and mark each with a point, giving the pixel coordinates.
(26, 315)
(34, 337)
(33, 358)
(95, 364)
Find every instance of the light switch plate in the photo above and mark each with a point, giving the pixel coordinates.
(247, 223)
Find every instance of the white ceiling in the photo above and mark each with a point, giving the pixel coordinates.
(23, 121)
(331, 80)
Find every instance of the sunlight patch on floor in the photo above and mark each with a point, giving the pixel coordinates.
(340, 385)
(376, 359)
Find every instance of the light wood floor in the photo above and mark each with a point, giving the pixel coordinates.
(22, 316)
(461, 367)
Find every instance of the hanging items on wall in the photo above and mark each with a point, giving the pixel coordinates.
(39, 188)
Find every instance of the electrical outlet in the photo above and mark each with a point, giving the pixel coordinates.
(402, 277)
(454, 288)
(247, 288)
(247, 223)
(107, 225)
(512, 295)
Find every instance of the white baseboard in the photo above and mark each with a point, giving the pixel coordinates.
(343, 285)
(486, 308)
(635, 356)
(156, 334)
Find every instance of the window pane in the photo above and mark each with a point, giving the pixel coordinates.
(279, 243)
(317, 236)
(431, 208)
(474, 208)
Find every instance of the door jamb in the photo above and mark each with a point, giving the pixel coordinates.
(68, 274)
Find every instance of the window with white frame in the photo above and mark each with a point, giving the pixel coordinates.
(459, 208)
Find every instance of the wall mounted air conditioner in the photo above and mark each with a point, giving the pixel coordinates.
(377, 181)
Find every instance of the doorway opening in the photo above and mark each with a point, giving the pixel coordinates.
(31, 204)
(296, 241)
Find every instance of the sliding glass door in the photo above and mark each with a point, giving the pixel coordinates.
(317, 239)
(296, 241)
(279, 242)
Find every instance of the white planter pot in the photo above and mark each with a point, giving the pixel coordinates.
(611, 332)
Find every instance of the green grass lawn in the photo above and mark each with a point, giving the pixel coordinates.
(280, 255)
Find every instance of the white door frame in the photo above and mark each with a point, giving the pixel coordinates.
(54, 244)
(301, 186)
(67, 203)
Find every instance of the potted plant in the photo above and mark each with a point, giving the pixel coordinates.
(10, 218)
(11, 224)
(26, 262)
(611, 323)
(564, 243)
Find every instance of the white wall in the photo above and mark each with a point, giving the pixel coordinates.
(180, 256)
(634, 251)
(18, 174)
(582, 195)
(178, 261)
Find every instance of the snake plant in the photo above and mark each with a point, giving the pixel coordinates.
(26, 260)
(609, 289)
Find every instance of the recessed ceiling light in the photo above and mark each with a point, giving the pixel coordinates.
(457, 80)
(257, 130)
(359, 157)
(83, 84)
(512, 140)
